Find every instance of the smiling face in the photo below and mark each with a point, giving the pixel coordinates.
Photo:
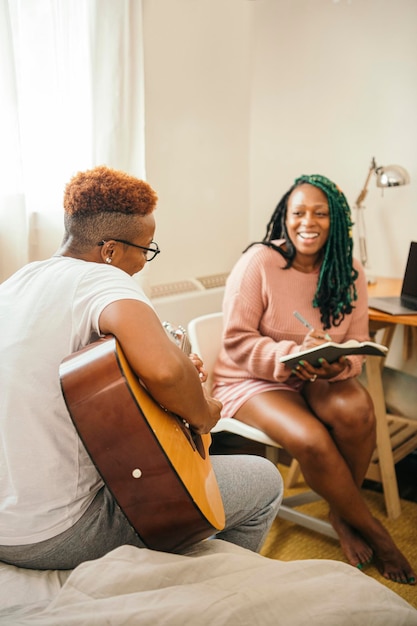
(308, 222)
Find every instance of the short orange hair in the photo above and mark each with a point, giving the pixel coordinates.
(105, 190)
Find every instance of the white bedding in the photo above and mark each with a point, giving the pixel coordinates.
(217, 584)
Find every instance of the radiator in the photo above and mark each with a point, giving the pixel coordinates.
(181, 301)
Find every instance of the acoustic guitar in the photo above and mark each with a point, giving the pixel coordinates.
(157, 469)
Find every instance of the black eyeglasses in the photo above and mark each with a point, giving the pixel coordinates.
(150, 252)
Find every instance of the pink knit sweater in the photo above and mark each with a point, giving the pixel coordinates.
(259, 323)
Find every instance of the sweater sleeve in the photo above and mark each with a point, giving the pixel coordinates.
(247, 298)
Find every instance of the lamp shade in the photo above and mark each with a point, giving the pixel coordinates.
(391, 176)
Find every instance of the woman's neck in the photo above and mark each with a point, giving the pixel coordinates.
(307, 264)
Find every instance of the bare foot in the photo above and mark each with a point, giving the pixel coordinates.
(391, 563)
(356, 549)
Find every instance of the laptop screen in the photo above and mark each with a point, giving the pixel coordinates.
(409, 287)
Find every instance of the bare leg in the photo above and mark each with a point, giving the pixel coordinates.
(348, 413)
(346, 409)
(333, 474)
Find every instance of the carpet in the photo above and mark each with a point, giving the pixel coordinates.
(287, 541)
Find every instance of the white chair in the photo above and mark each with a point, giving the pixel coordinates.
(205, 335)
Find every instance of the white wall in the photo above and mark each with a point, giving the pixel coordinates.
(242, 96)
(197, 79)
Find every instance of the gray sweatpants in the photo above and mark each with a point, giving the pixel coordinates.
(251, 489)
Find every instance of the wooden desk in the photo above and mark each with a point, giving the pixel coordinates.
(396, 436)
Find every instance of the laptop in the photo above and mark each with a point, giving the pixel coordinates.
(406, 303)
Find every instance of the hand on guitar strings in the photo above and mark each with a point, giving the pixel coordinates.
(199, 365)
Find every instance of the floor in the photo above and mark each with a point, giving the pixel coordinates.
(406, 470)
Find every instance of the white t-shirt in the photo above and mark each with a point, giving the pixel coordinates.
(48, 310)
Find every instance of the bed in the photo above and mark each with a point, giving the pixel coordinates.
(215, 583)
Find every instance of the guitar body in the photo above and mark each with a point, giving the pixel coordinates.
(158, 472)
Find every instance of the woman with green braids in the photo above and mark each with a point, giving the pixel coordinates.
(322, 416)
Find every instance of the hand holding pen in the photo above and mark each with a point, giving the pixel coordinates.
(315, 334)
(307, 372)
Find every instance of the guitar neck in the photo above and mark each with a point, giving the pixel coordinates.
(178, 336)
(185, 344)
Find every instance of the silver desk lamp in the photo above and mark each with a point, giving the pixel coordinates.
(386, 176)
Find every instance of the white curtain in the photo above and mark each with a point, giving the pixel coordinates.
(71, 85)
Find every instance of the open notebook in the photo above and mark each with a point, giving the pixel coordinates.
(406, 303)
